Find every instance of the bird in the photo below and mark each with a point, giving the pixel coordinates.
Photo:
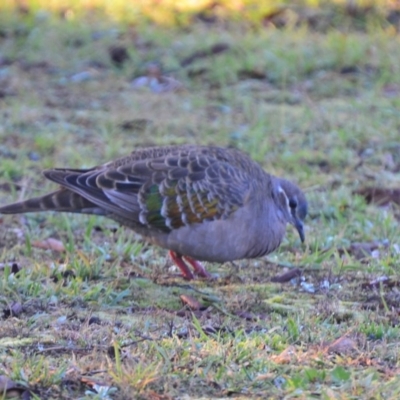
(202, 203)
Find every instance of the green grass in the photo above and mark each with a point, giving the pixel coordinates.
(106, 316)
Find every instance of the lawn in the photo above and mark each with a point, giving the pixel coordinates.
(90, 311)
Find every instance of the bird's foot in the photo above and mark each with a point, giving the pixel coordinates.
(178, 261)
(198, 268)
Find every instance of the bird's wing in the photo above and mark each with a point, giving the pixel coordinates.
(165, 192)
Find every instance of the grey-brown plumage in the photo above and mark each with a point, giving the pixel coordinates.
(200, 202)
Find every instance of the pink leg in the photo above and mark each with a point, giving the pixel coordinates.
(198, 267)
(177, 259)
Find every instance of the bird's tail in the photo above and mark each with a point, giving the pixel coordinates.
(63, 200)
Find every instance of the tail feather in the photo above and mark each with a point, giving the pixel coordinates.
(62, 200)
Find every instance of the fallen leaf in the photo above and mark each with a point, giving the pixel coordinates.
(383, 281)
(247, 316)
(361, 250)
(92, 382)
(379, 196)
(286, 356)
(139, 124)
(252, 74)
(193, 303)
(213, 50)
(342, 345)
(264, 377)
(49, 244)
(211, 330)
(287, 276)
(151, 395)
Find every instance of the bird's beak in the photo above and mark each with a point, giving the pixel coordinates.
(298, 224)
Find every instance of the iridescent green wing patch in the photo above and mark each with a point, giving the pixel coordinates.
(201, 193)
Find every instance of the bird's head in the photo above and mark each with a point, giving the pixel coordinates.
(294, 204)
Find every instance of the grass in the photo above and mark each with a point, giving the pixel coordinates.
(182, 13)
(108, 318)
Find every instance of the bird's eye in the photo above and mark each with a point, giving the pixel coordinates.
(292, 203)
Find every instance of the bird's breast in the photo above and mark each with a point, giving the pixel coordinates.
(242, 235)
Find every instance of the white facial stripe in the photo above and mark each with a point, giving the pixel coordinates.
(280, 190)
